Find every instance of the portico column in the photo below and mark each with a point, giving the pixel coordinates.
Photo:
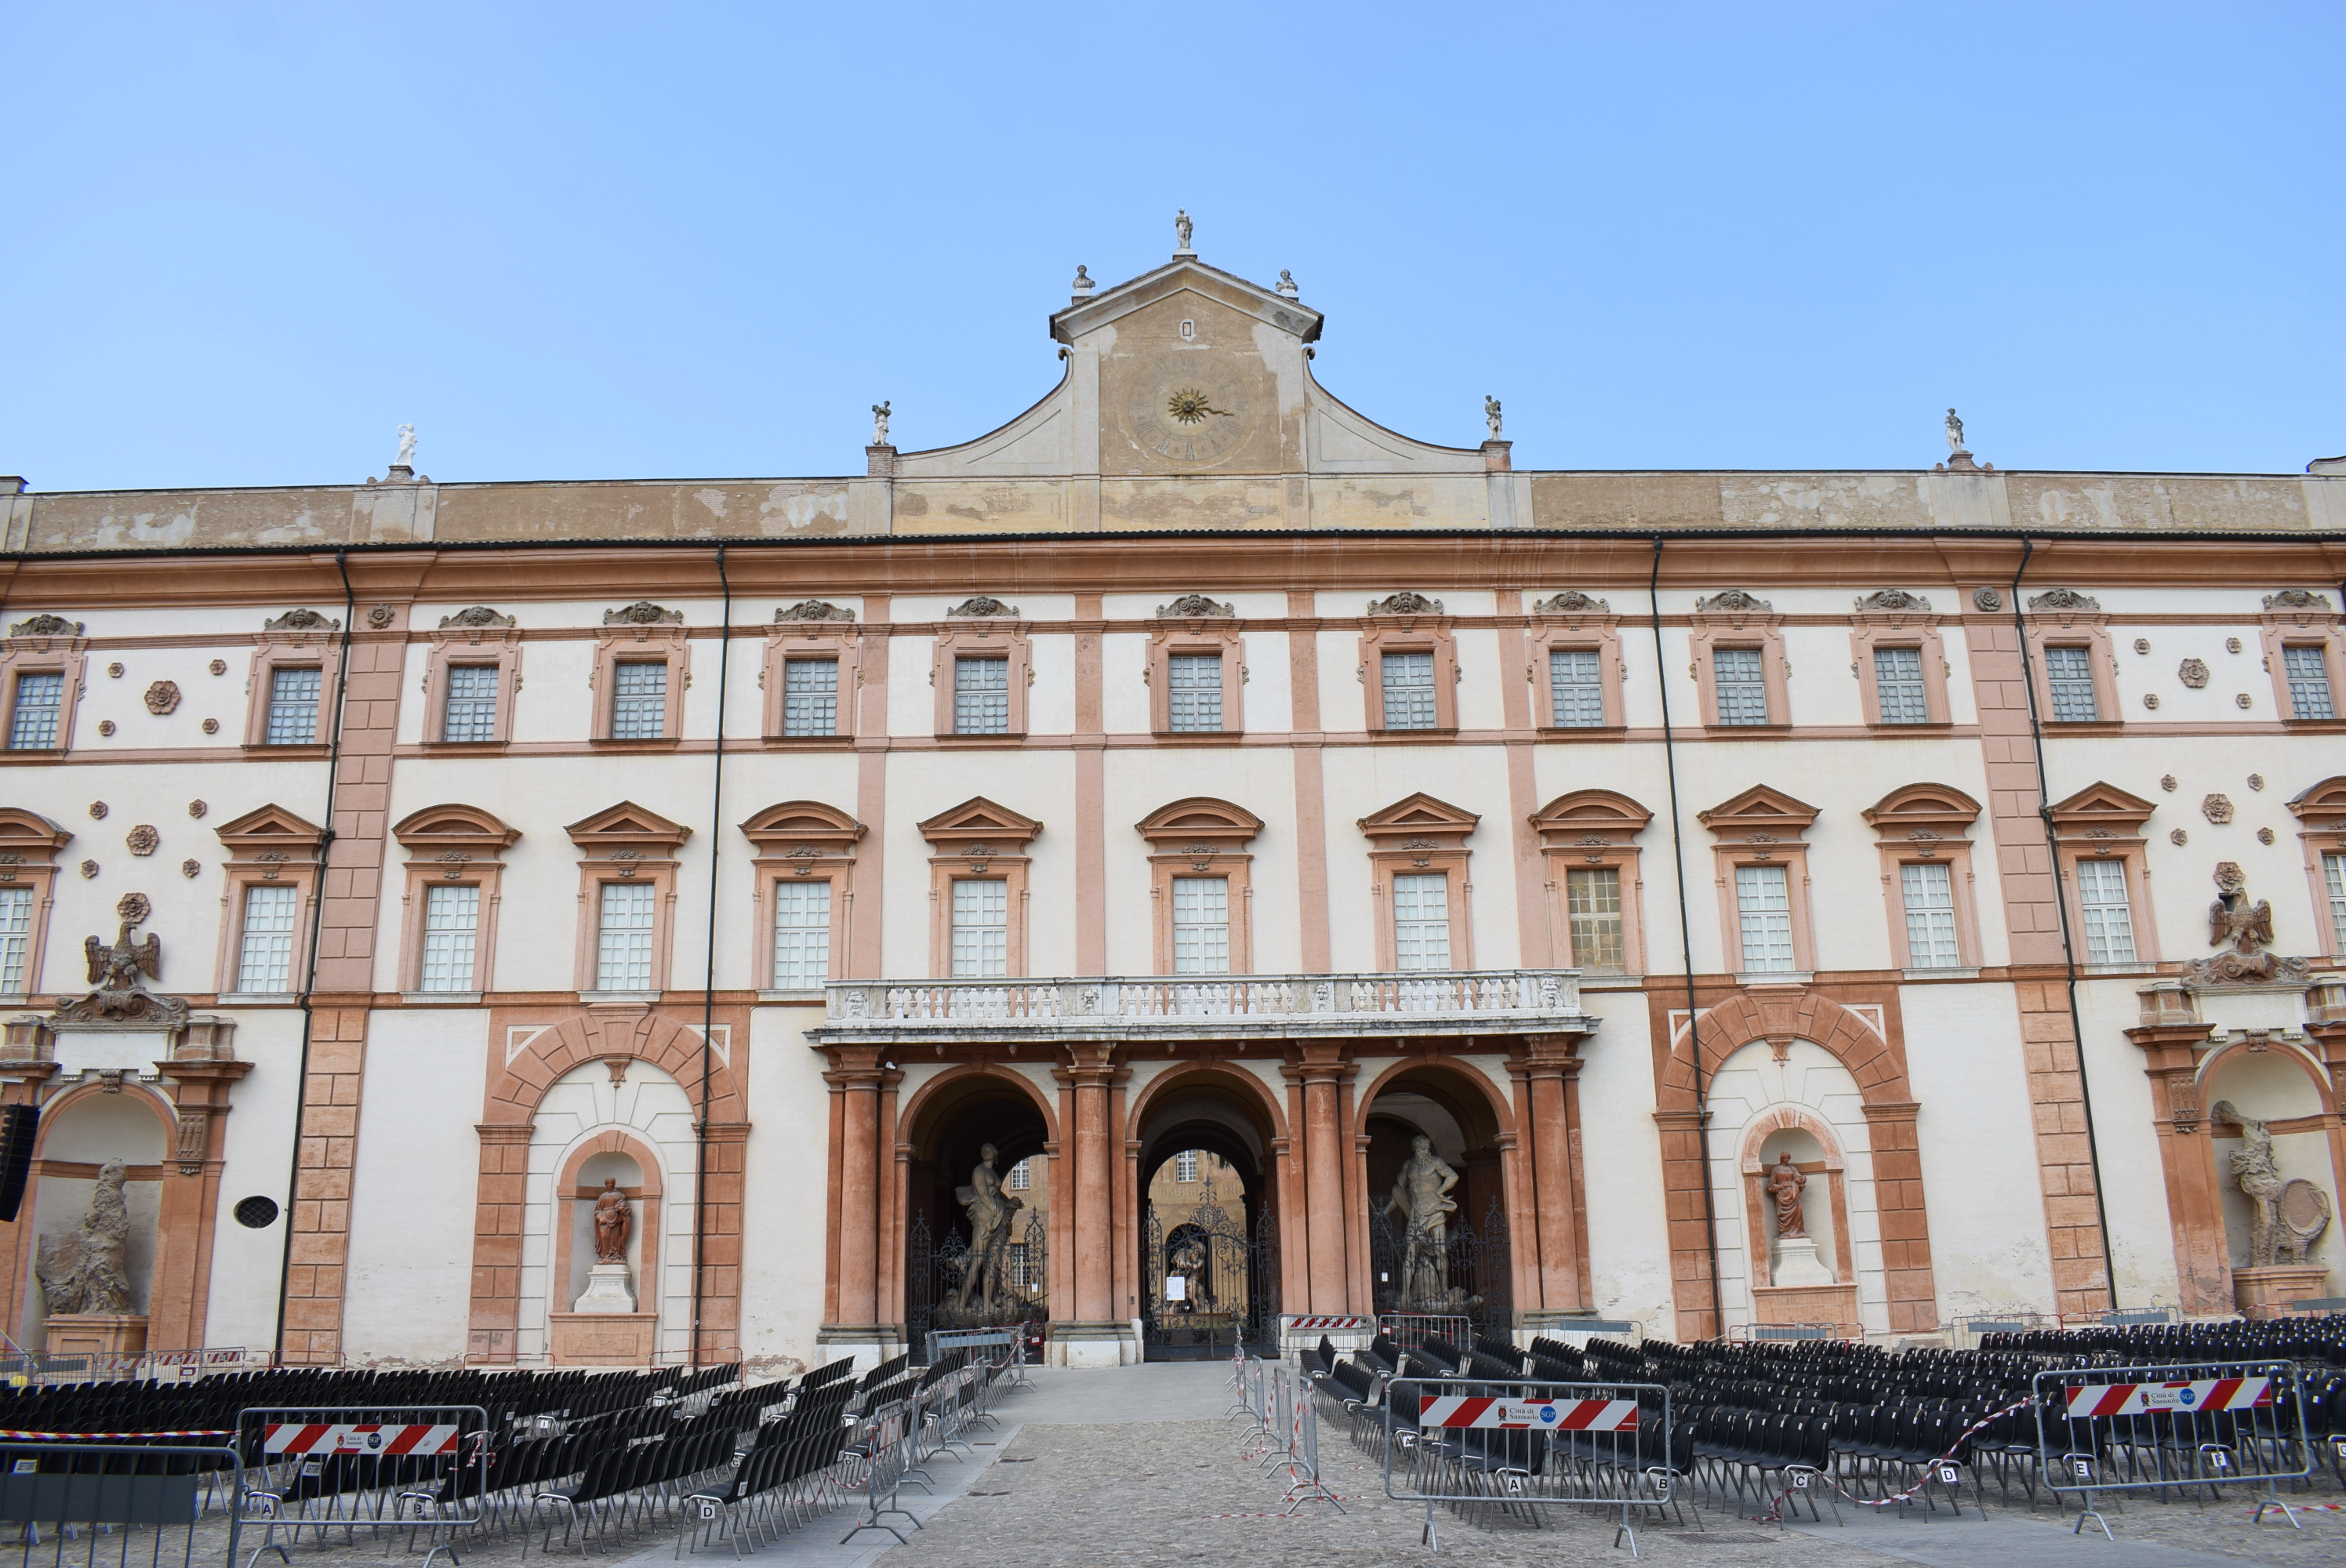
(1095, 1332)
(1546, 1065)
(856, 1073)
(2171, 1049)
(1327, 1074)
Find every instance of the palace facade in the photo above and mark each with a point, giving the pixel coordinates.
(1190, 767)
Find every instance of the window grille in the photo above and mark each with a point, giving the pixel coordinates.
(810, 697)
(1742, 686)
(472, 713)
(2309, 683)
(982, 694)
(1409, 691)
(265, 959)
(1421, 921)
(451, 927)
(1185, 1165)
(2333, 876)
(1929, 894)
(1898, 683)
(2109, 920)
(1593, 904)
(16, 939)
(981, 926)
(639, 700)
(2070, 672)
(802, 935)
(40, 699)
(293, 705)
(1020, 1178)
(1201, 925)
(623, 954)
(1763, 903)
(1194, 691)
(1573, 694)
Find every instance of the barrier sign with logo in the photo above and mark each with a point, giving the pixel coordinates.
(420, 1441)
(1557, 1415)
(2088, 1401)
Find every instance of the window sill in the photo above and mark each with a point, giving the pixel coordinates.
(2084, 727)
(1927, 727)
(813, 997)
(2136, 968)
(1582, 731)
(462, 748)
(1952, 972)
(1745, 731)
(2314, 725)
(1747, 978)
(810, 742)
(656, 743)
(1414, 737)
(307, 751)
(256, 999)
(996, 738)
(1610, 980)
(29, 754)
(439, 998)
(589, 998)
(1198, 737)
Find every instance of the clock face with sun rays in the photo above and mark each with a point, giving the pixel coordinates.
(1187, 408)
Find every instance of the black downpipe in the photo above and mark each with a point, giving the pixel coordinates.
(317, 925)
(2061, 910)
(708, 976)
(1686, 944)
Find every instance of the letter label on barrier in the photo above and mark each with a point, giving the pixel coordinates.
(1800, 1479)
(1947, 1475)
(25, 1466)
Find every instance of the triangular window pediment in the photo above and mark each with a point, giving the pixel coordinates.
(1419, 813)
(1762, 806)
(627, 822)
(978, 817)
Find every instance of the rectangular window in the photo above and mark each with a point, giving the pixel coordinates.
(982, 694)
(802, 935)
(1194, 691)
(265, 959)
(1577, 698)
(2334, 877)
(452, 927)
(1201, 925)
(1020, 1178)
(16, 938)
(1929, 894)
(1409, 690)
(639, 700)
(1422, 922)
(472, 712)
(981, 927)
(1742, 686)
(1897, 682)
(2109, 922)
(2309, 683)
(810, 697)
(623, 950)
(2070, 672)
(1763, 903)
(1185, 1165)
(32, 727)
(1593, 902)
(293, 705)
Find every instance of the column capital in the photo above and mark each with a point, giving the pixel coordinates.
(863, 1068)
(2170, 1047)
(1556, 1055)
(1891, 1110)
(1090, 1064)
(495, 1133)
(1320, 1061)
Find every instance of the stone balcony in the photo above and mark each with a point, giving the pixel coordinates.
(1480, 1002)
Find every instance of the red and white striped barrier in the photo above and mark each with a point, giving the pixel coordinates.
(103, 1437)
(1327, 1324)
(1557, 1415)
(363, 1437)
(2090, 1401)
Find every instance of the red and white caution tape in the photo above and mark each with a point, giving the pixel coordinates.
(1775, 1504)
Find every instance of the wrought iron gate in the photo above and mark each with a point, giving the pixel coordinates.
(1478, 1277)
(1207, 1284)
(933, 1271)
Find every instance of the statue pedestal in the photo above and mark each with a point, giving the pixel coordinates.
(606, 1291)
(94, 1334)
(2261, 1291)
(1796, 1263)
(602, 1338)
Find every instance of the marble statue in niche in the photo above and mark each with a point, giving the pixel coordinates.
(81, 1270)
(990, 1210)
(1421, 1195)
(2289, 1216)
(612, 1221)
(1785, 1183)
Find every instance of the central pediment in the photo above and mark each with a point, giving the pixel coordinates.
(1186, 275)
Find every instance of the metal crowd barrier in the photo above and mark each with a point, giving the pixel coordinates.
(117, 1487)
(882, 1449)
(2143, 1429)
(352, 1468)
(1751, 1333)
(1411, 1330)
(1515, 1448)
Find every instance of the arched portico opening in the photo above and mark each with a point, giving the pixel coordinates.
(1459, 1264)
(1208, 1273)
(977, 1247)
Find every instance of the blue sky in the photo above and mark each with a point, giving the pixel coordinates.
(246, 241)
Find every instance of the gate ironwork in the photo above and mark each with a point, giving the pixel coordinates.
(933, 1271)
(1478, 1277)
(1209, 1285)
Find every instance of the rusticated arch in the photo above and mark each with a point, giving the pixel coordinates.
(1735, 1022)
(675, 1048)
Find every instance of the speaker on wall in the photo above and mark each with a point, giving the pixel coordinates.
(18, 1124)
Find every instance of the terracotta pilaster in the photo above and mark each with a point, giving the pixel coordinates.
(1547, 1068)
(496, 1319)
(856, 1071)
(2194, 1200)
(1325, 1071)
(179, 1297)
(1088, 1075)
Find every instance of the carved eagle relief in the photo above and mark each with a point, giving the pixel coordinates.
(118, 967)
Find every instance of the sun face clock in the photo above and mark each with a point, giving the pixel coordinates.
(1187, 408)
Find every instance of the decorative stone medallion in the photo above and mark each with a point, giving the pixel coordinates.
(2150, 699)
(2245, 700)
(2256, 780)
(379, 616)
(2217, 808)
(142, 840)
(2264, 835)
(1986, 599)
(105, 727)
(218, 666)
(162, 697)
(98, 809)
(211, 726)
(191, 869)
(2142, 645)
(2179, 837)
(2167, 782)
(197, 808)
(90, 867)
(2231, 645)
(114, 671)
(2192, 673)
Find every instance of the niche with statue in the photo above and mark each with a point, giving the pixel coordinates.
(94, 1222)
(610, 1230)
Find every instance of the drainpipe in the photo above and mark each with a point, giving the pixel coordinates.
(1686, 943)
(317, 924)
(708, 976)
(2061, 910)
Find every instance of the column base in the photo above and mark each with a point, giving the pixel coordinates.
(1108, 1344)
(2262, 1292)
(602, 1338)
(95, 1334)
(865, 1344)
(1835, 1304)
